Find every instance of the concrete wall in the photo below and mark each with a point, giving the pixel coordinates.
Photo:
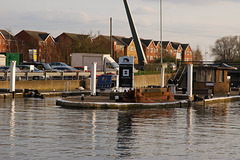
(58, 85)
(42, 85)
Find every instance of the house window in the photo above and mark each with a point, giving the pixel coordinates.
(0, 41)
(3, 41)
(156, 51)
(147, 49)
(132, 49)
(221, 76)
(151, 50)
(3, 50)
(151, 58)
(187, 52)
(148, 57)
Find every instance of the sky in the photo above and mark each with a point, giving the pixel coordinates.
(197, 22)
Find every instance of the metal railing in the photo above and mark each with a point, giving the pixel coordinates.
(21, 76)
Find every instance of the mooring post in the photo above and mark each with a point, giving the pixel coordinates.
(93, 78)
(190, 82)
(164, 65)
(12, 77)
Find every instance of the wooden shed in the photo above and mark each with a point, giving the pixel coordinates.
(211, 78)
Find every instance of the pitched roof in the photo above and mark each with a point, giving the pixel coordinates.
(184, 46)
(77, 36)
(127, 41)
(118, 39)
(40, 36)
(146, 42)
(156, 42)
(6, 35)
(175, 45)
(165, 43)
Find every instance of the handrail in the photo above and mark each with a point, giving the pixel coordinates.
(181, 74)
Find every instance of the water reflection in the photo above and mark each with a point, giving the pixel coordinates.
(93, 130)
(124, 135)
(190, 114)
(218, 112)
(12, 121)
(37, 129)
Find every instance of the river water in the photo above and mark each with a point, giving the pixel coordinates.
(38, 129)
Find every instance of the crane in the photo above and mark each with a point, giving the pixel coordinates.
(141, 56)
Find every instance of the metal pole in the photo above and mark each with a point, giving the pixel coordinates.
(161, 36)
(111, 52)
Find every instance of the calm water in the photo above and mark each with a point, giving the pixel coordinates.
(38, 129)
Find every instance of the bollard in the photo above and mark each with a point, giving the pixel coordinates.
(93, 78)
(12, 77)
(190, 81)
(164, 66)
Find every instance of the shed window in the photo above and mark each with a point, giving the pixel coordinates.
(210, 76)
(221, 76)
(205, 75)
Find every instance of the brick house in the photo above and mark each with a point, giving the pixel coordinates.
(149, 49)
(130, 49)
(177, 50)
(167, 48)
(158, 49)
(43, 42)
(121, 46)
(68, 43)
(118, 45)
(187, 54)
(7, 42)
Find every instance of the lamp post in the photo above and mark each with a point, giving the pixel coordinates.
(161, 30)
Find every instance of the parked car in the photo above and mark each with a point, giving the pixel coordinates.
(40, 66)
(57, 64)
(27, 68)
(7, 69)
(65, 68)
(79, 68)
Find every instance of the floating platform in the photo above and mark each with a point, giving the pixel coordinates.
(103, 102)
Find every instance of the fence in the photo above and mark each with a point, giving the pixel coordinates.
(21, 76)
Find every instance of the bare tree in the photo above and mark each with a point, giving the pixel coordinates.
(227, 49)
(197, 55)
